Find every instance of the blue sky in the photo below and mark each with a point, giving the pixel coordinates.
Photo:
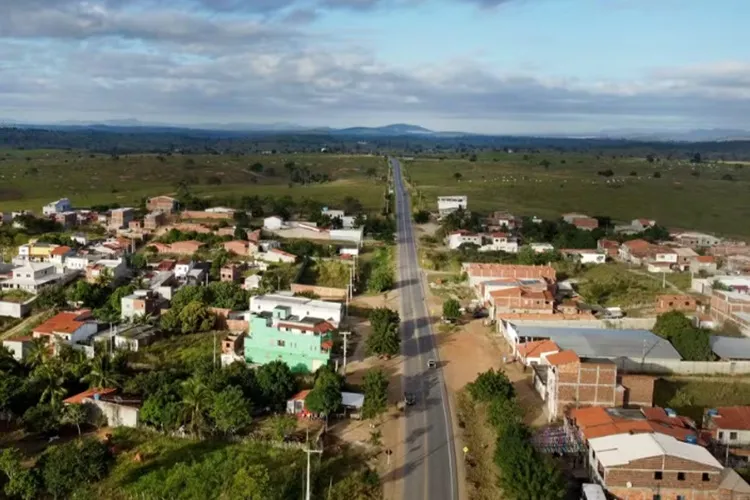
(493, 66)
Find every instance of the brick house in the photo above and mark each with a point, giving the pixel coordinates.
(733, 307)
(704, 263)
(479, 273)
(521, 300)
(610, 247)
(154, 220)
(585, 223)
(238, 247)
(165, 204)
(683, 303)
(121, 217)
(185, 247)
(652, 466)
(230, 272)
(634, 251)
(139, 304)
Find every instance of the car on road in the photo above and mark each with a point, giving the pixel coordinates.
(410, 399)
(431, 363)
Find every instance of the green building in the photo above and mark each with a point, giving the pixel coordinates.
(302, 343)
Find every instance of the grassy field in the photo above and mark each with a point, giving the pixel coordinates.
(180, 349)
(692, 396)
(686, 195)
(29, 179)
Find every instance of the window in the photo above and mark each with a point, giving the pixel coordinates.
(680, 476)
(680, 497)
(721, 435)
(656, 497)
(658, 475)
(732, 436)
(706, 477)
(280, 343)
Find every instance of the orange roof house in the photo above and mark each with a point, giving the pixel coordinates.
(88, 394)
(68, 326)
(563, 358)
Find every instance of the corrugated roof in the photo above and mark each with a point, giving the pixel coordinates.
(78, 398)
(604, 342)
(733, 418)
(536, 348)
(732, 481)
(730, 347)
(621, 449)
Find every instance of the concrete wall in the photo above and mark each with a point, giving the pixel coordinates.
(117, 415)
(324, 292)
(665, 367)
(15, 309)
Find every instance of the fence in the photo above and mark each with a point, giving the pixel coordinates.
(667, 367)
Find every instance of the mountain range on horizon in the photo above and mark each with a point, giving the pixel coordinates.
(398, 129)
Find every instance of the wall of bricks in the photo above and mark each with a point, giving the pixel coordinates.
(324, 292)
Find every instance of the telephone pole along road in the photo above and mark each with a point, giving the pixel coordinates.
(429, 469)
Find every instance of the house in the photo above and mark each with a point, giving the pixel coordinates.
(596, 421)
(16, 305)
(502, 221)
(298, 306)
(356, 235)
(487, 287)
(254, 237)
(183, 268)
(635, 251)
(79, 262)
(733, 283)
(542, 247)
(696, 240)
(120, 217)
(70, 327)
(165, 204)
(154, 220)
(66, 219)
(654, 466)
(134, 338)
(532, 353)
(685, 256)
(728, 425)
(640, 225)
(499, 242)
(570, 217)
(704, 264)
(35, 251)
(238, 247)
(232, 349)
(104, 403)
(138, 304)
(273, 223)
(350, 401)
(277, 255)
(304, 343)
(55, 207)
(610, 247)
(252, 282)
(478, 273)
(58, 255)
(19, 347)
(737, 264)
(463, 237)
(34, 276)
(230, 272)
(585, 256)
(112, 269)
(682, 303)
(215, 213)
(521, 300)
(449, 204)
(185, 247)
(731, 307)
(585, 223)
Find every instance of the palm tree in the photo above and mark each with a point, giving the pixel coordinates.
(196, 398)
(8, 363)
(38, 352)
(101, 373)
(51, 376)
(75, 414)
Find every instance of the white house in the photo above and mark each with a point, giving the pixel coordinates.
(299, 306)
(542, 247)
(349, 251)
(449, 204)
(32, 277)
(80, 262)
(56, 207)
(114, 269)
(501, 242)
(276, 255)
(586, 256)
(273, 223)
(729, 424)
(183, 268)
(19, 347)
(462, 237)
(69, 327)
(252, 282)
(80, 238)
(349, 235)
(333, 213)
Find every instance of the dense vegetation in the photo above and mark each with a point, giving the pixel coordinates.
(693, 343)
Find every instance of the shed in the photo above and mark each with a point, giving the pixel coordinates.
(730, 348)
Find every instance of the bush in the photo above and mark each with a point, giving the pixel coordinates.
(451, 309)
(490, 385)
(68, 466)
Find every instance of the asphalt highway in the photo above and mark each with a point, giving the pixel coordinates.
(429, 470)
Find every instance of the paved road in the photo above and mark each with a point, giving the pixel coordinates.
(430, 465)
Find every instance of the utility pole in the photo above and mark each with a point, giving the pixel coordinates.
(309, 451)
(664, 280)
(214, 350)
(346, 344)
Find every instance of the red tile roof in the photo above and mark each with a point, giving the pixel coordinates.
(61, 250)
(282, 252)
(510, 271)
(64, 322)
(537, 348)
(706, 259)
(733, 417)
(637, 244)
(301, 395)
(78, 398)
(586, 222)
(608, 244)
(563, 358)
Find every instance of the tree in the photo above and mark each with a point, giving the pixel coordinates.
(359, 221)
(451, 309)
(51, 297)
(67, 466)
(526, 256)
(38, 352)
(422, 217)
(196, 400)
(384, 340)
(228, 295)
(276, 383)
(230, 410)
(657, 175)
(376, 393)
(671, 323)
(325, 396)
(74, 414)
(188, 294)
(696, 158)
(240, 233)
(20, 481)
(490, 385)
(281, 426)
(457, 176)
(102, 373)
(381, 279)
(694, 344)
(170, 321)
(42, 418)
(163, 410)
(545, 163)
(195, 317)
(51, 378)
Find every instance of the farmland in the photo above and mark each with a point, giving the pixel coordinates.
(706, 196)
(31, 178)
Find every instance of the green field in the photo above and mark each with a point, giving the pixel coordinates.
(691, 196)
(30, 179)
(692, 396)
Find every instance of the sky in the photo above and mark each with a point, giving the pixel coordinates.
(485, 66)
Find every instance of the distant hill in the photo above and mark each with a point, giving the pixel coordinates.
(698, 135)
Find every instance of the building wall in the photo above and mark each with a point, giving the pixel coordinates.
(14, 309)
(301, 352)
(579, 385)
(742, 438)
(117, 415)
(324, 292)
(199, 214)
(85, 331)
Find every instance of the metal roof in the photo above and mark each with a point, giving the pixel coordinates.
(604, 342)
(730, 348)
(621, 449)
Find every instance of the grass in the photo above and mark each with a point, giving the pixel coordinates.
(15, 295)
(500, 181)
(692, 396)
(328, 273)
(30, 179)
(613, 285)
(186, 350)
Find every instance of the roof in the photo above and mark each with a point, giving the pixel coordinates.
(732, 481)
(730, 348)
(78, 398)
(282, 252)
(64, 322)
(706, 259)
(537, 348)
(621, 449)
(595, 422)
(732, 417)
(301, 395)
(352, 399)
(61, 250)
(509, 271)
(603, 342)
(604, 243)
(637, 244)
(563, 358)
(585, 222)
